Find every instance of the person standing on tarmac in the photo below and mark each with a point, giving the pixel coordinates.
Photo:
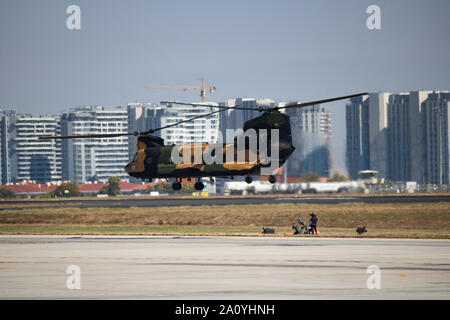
(313, 223)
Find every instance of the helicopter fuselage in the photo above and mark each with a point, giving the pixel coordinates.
(154, 160)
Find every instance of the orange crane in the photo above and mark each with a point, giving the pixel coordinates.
(202, 89)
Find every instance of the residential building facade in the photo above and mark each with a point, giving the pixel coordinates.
(407, 137)
(202, 130)
(94, 159)
(311, 127)
(24, 156)
(357, 127)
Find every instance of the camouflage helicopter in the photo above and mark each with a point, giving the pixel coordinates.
(154, 160)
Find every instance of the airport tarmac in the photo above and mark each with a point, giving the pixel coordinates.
(155, 267)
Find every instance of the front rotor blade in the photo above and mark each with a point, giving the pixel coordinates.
(311, 103)
(88, 136)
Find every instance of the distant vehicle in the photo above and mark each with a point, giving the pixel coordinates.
(331, 187)
(368, 176)
(258, 187)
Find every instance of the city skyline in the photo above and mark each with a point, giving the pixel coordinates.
(284, 50)
(402, 136)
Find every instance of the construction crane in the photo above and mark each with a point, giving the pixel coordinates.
(202, 89)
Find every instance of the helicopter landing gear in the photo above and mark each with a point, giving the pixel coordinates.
(199, 185)
(249, 179)
(272, 179)
(176, 185)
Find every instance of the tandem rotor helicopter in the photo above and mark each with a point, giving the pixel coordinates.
(154, 160)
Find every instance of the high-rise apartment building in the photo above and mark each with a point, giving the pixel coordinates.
(311, 127)
(4, 152)
(378, 132)
(24, 157)
(142, 117)
(398, 137)
(357, 127)
(94, 159)
(366, 125)
(407, 136)
(437, 118)
(235, 119)
(202, 130)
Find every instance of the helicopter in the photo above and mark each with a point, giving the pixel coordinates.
(155, 160)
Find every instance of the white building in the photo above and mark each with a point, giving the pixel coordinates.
(235, 119)
(27, 157)
(202, 130)
(311, 131)
(142, 116)
(94, 159)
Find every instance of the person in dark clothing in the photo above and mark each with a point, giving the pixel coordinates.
(303, 225)
(295, 228)
(313, 223)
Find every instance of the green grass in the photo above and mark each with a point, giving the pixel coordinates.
(398, 220)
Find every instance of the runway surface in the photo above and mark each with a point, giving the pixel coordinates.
(145, 267)
(127, 202)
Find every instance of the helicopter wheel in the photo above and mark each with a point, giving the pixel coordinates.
(176, 186)
(248, 179)
(272, 179)
(199, 185)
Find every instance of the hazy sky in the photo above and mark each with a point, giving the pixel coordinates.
(284, 50)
